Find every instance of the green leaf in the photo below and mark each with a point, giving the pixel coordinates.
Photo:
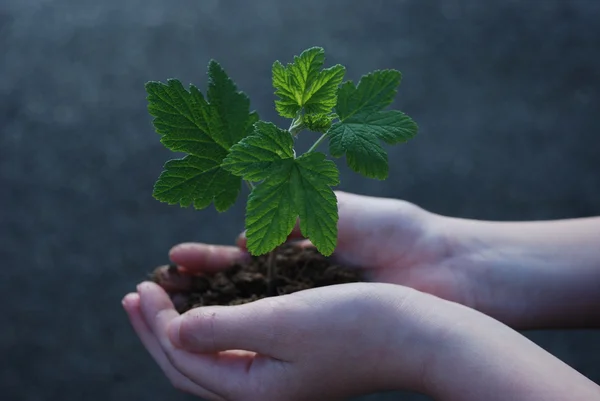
(303, 85)
(315, 201)
(296, 188)
(195, 180)
(375, 92)
(231, 119)
(205, 130)
(363, 123)
(271, 212)
(254, 157)
(292, 188)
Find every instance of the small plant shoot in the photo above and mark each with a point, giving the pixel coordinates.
(226, 143)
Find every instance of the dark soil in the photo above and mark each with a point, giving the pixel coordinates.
(295, 269)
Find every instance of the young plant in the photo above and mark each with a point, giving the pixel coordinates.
(226, 143)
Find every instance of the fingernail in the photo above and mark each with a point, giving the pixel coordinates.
(241, 240)
(173, 331)
(127, 299)
(142, 286)
(175, 248)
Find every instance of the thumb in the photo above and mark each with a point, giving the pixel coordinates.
(372, 229)
(258, 326)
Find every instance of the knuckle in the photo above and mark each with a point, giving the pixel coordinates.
(190, 329)
(176, 364)
(201, 329)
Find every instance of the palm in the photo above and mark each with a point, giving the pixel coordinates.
(397, 242)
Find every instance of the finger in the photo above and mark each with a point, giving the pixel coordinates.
(131, 304)
(205, 258)
(350, 211)
(174, 279)
(207, 371)
(366, 225)
(259, 326)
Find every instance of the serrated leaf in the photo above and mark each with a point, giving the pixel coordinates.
(318, 122)
(363, 123)
(197, 181)
(180, 118)
(205, 130)
(254, 157)
(292, 188)
(231, 119)
(375, 92)
(271, 212)
(315, 201)
(303, 85)
(296, 188)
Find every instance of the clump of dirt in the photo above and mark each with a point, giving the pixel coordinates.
(295, 269)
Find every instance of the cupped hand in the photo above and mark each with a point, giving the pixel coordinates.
(324, 343)
(392, 240)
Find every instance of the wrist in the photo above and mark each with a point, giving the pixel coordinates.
(528, 274)
(483, 359)
(424, 329)
(441, 346)
(499, 272)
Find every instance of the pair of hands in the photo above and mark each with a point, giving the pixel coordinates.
(398, 332)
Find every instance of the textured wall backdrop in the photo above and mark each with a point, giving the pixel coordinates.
(506, 94)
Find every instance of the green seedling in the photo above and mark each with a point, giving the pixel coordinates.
(226, 143)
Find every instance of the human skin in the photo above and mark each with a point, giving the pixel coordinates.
(333, 342)
(317, 343)
(309, 345)
(528, 275)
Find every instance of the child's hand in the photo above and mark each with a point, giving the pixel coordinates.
(394, 241)
(324, 343)
(339, 341)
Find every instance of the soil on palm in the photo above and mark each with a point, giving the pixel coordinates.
(295, 269)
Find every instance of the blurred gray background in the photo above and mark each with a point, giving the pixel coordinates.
(506, 94)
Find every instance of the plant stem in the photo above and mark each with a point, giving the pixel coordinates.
(271, 274)
(317, 143)
(295, 128)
